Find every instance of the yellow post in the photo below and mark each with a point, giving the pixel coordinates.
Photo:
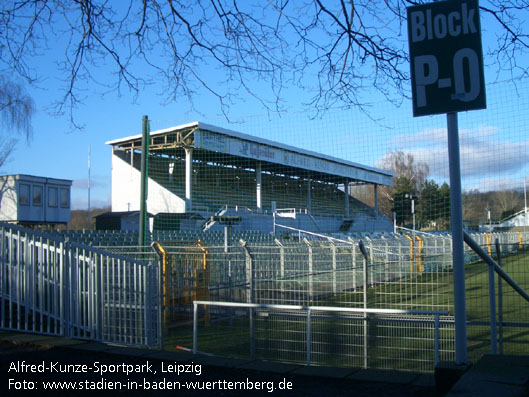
(520, 242)
(411, 254)
(163, 255)
(420, 258)
(488, 237)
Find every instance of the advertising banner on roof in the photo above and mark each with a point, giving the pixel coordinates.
(238, 147)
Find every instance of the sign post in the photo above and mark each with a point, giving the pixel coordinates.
(446, 62)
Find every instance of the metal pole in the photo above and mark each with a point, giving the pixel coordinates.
(309, 331)
(252, 334)
(195, 327)
(492, 303)
(500, 299)
(144, 178)
(456, 223)
(365, 296)
(436, 339)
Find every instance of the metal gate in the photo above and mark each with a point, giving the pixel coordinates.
(186, 277)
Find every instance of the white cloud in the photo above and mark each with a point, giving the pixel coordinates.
(482, 152)
(82, 203)
(495, 184)
(82, 183)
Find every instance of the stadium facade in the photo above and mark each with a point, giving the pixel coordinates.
(202, 177)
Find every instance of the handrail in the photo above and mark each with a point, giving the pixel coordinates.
(328, 238)
(322, 308)
(491, 262)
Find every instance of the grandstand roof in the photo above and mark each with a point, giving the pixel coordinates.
(274, 156)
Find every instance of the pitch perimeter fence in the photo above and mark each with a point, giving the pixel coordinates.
(411, 272)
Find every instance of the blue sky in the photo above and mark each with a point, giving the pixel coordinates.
(494, 142)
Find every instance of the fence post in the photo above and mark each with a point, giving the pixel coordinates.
(98, 263)
(309, 334)
(436, 340)
(148, 306)
(371, 260)
(195, 327)
(500, 300)
(252, 333)
(281, 267)
(365, 296)
(249, 271)
(492, 304)
(400, 258)
(311, 267)
(251, 295)
(387, 275)
(161, 304)
(65, 288)
(353, 253)
(333, 269)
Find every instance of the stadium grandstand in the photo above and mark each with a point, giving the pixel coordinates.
(202, 177)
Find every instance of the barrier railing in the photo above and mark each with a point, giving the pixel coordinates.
(51, 286)
(379, 345)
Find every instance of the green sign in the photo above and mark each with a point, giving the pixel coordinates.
(446, 58)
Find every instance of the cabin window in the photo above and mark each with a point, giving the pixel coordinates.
(52, 197)
(23, 194)
(37, 195)
(65, 198)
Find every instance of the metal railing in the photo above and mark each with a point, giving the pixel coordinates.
(494, 267)
(51, 286)
(373, 348)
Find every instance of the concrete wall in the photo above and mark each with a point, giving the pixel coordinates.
(8, 199)
(126, 185)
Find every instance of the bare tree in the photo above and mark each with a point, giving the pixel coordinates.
(403, 166)
(506, 202)
(335, 51)
(16, 112)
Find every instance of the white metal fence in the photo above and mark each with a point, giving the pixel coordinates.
(321, 335)
(54, 287)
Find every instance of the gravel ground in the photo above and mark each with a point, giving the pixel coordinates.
(56, 359)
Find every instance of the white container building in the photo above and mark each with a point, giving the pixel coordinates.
(33, 200)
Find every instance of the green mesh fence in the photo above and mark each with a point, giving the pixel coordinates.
(286, 185)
